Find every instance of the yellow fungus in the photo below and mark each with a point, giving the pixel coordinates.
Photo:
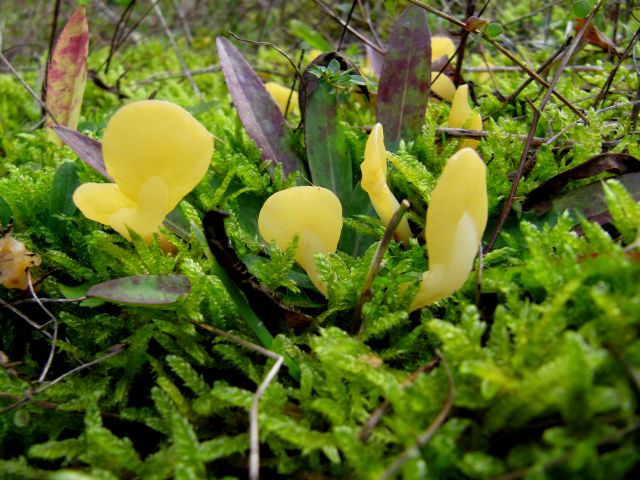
(314, 214)
(374, 182)
(456, 219)
(281, 95)
(442, 46)
(442, 86)
(462, 116)
(156, 152)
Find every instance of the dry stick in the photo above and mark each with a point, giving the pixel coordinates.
(372, 421)
(54, 336)
(355, 32)
(511, 68)
(28, 398)
(254, 434)
(541, 69)
(117, 40)
(28, 88)
(607, 84)
(433, 428)
(357, 324)
(113, 18)
(573, 124)
(364, 10)
(506, 53)
(172, 40)
(346, 24)
(184, 23)
(534, 123)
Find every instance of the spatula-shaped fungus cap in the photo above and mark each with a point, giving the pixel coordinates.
(462, 116)
(314, 214)
(156, 152)
(374, 182)
(456, 219)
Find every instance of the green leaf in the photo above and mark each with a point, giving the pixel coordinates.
(65, 182)
(581, 8)
(309, 35)
(493, 30)
(142, 289)
(328, 162)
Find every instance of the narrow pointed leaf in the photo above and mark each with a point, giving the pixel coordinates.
(65, 182)
(405, 80)
(258, 112)
(67, 73)
(329, 165)
(142, 289)
(88, 149)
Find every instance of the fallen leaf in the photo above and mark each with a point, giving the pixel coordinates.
(595, 37)
(88, 149)
(540, 198)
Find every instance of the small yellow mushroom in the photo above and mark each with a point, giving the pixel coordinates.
(156, 153)
(314, 214)
(281, 95)
(442, 46)
(456, 219)
(442, 86)
(374, 182)
(15, 260)
(462, 116)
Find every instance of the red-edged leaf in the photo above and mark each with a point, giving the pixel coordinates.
(405, 80)
(258, 112)
(142, 289)
(67, 73)
(85, 147)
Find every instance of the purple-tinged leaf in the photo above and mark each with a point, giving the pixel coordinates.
(257, 110)
(405, 80)
(329, 164)
(540, 198)
(88, 149)
(142, 289)
(67, 73)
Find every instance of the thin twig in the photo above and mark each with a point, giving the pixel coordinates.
(275, 47)
(534, 123)
(172, 40)
(358, 325)
(52, 41)
(35, 96)
(429, 432)
(352, 30)
(54, 336)
(346, 24)
(375, 417)
(254, 434)
(607, 84)
(28, 398)
(35, 325)
(184, 23)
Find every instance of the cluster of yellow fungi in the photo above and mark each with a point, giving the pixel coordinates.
(455, 222)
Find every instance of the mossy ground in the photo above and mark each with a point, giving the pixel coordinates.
(543, 349)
